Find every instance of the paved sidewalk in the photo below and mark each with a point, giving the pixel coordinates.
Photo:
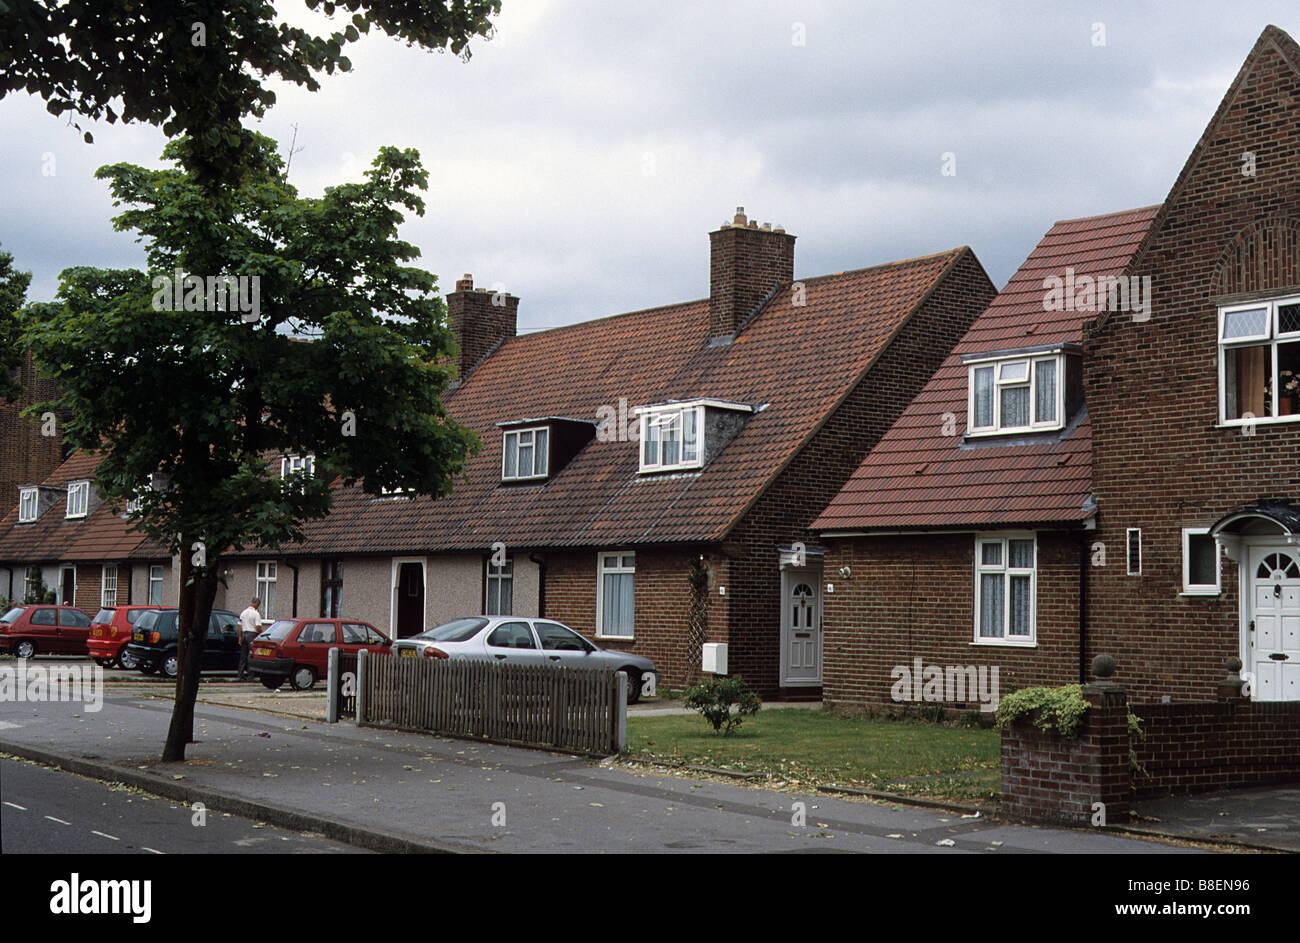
(402, 791)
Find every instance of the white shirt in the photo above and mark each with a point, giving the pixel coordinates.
(250, 620)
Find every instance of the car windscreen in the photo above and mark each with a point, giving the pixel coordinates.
(278, 630)
(104, 616)
(12, 615)
(458, 630)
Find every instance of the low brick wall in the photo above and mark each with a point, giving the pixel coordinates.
(1199, 747)
(1187, 747)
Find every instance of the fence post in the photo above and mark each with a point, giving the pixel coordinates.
(620, 706)
(361, 686)
(332, 687)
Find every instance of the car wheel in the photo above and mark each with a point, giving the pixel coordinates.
(633, 685)
(272, 684)
(171, 664)
(127, 661)
(303, 678)
(25, 649)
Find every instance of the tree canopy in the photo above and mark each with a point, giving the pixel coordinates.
(13, 289)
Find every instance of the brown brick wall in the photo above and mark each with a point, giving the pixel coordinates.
(26, 456)
(89, 576)
(912, 596)
(1159, 461)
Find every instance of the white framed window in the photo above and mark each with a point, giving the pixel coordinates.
(1259, 361)
(525, 454)
(155, 585)
(108, 586)
(33, 584)
(1133, 551)
(1200, 563)
(266, 579)
(78, 498)
(1016, 395)
(1006, 568)
(500, 589)
(670, 437)
(297, 464)
(27, 498)
(615, 595)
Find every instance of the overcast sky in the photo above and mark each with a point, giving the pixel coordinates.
(581, 157)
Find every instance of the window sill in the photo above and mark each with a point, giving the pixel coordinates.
(1018, 430)
(615, 638)
(1258, 421)
(1004, 643)
(1201, 592)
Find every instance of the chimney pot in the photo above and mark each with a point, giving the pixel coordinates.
(465, 282)
(739, 219)
(766, 227)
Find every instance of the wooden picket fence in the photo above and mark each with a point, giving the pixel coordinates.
(574, 709)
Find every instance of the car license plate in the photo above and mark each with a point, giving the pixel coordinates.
(408, 653)
(137, 636)
(97, 633)
(262, 652)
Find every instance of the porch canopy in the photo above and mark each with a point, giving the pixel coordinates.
(1276, 516)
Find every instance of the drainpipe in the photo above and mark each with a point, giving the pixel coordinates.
(295, 587)
(541, 584)
(1085, 561)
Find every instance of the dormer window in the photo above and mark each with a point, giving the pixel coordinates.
(78, 498)
(294, 465)
(525, 454)
(26, 505)
(1022, 393)
(1259, 361)
(670, 437)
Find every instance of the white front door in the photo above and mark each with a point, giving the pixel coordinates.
(1275, 622)
(801, 626)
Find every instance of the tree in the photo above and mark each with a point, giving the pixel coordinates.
(13, 289)
(196, 68)
(329, 345)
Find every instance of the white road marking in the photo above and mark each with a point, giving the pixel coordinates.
(152, 851)
(60, 821)
(20, 808)
(104, 835)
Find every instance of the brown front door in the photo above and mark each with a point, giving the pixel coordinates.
(410, 599)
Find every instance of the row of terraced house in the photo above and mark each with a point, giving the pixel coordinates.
(838, 477)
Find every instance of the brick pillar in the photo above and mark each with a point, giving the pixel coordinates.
(746, 261)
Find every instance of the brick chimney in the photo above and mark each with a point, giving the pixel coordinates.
(746, 261)
(481, 320)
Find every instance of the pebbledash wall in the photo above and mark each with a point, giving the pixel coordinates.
(911, 596)
(1161, 462)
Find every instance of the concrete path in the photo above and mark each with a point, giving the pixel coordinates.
(401, 791)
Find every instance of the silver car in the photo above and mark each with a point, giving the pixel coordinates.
(516, 640)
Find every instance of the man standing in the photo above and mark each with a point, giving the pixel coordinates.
(250, 624)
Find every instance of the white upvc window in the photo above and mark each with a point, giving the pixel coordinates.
(1259, 362)
(1133, 551)
(27, 500)
(156, 585)
(615, 595)
(1200, 563)
(499, 591)
(266, 579)
(297, 464)
(108, 586)
(525, 454)
(1019, 394)
(670, 437)
(78, 498)
(1006, 588)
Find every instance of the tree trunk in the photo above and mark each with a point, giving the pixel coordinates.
(198, 590)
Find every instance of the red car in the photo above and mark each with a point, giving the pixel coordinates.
(110, 630)
(26, 630)
(298, 649)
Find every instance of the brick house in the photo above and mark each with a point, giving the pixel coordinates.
(647, 478)
(62, 537)
(1110, 469)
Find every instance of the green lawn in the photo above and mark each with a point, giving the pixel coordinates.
(815, 747)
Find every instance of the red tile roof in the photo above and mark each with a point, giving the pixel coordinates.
(796, 361)
(916, 477)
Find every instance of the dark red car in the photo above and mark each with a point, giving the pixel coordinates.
(110, 630)
(298, 649)
(51, 630)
